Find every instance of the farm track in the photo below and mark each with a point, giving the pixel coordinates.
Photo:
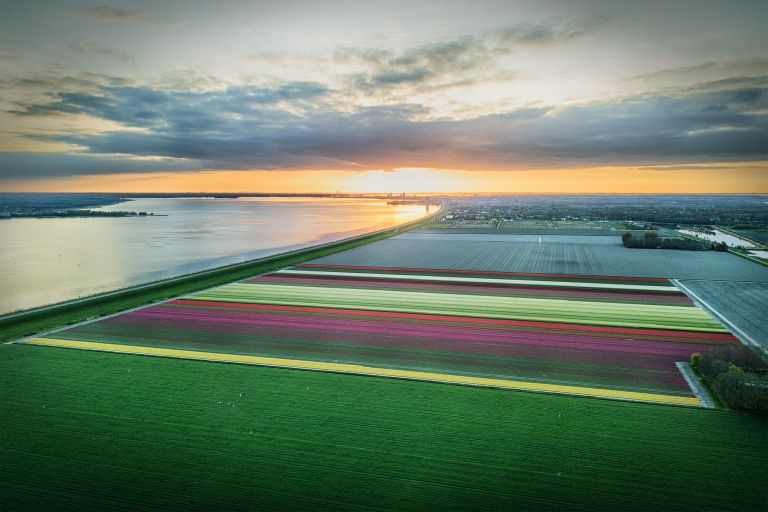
(696, 385)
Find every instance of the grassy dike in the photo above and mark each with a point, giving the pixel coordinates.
(34, 321)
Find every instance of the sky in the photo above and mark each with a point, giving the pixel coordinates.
(429, 96)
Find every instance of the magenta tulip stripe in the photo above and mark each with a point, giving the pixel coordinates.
(606, 335)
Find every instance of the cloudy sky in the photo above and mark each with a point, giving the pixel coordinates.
(545, 96)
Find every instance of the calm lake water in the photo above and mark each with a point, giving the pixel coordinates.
(44, 261)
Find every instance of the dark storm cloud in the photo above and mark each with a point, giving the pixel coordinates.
(719, 124)
(268, 137)
(21, 165)
(293, 126)
(144, 107)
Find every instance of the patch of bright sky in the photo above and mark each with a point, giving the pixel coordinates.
(626, 48)
(195, 38)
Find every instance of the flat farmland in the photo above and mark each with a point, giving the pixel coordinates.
(745, 304)
(446, 229)
(610, 337)
(759, 235)
(592, 239)
(84, 430)
(93, 430)
(553, 258)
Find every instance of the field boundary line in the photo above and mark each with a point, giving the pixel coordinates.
(695, 383)
(744, 337)
(356, 369)
(509, 281)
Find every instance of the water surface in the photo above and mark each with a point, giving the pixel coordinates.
(50, 260)
(718, 236)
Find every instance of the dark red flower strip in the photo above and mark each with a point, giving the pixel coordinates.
(481, 272)
(310, 327)
(401, 349)
(461, 319)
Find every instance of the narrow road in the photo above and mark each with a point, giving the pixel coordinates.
(696, 385)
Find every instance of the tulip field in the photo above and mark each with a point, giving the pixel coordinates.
(407, 405)
(599, 336)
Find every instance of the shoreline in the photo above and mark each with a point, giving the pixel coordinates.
(21, 324)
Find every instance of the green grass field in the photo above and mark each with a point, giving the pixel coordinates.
(94, 431)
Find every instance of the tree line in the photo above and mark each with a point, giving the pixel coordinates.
(652, 240)
(738, 377)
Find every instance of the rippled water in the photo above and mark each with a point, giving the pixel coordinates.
(44, 261)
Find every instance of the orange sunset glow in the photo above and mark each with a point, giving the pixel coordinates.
(742, 177)
(513, 98)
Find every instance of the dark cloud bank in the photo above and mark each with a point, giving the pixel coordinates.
(302, 125)
(462, 61)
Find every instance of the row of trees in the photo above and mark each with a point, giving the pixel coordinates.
(651, 240)
(79, 213)
(738, 377)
